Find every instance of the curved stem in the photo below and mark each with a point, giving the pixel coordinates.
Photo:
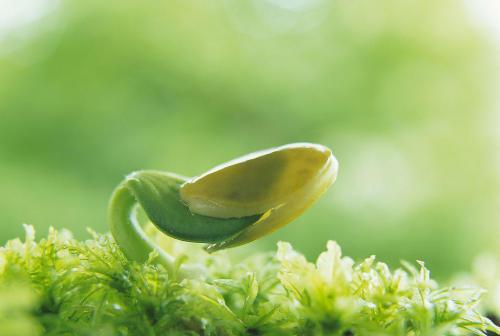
(158, 195)
(127, 232)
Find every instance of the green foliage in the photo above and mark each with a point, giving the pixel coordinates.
(62, 286)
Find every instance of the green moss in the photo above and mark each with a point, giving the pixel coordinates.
(61, 286)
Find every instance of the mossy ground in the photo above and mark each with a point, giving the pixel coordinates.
(62, 286)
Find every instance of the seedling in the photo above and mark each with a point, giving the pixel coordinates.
(230, 205)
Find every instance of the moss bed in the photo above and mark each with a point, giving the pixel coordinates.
(62, 286)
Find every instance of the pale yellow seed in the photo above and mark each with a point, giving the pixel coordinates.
(255, 183)
(280, 182)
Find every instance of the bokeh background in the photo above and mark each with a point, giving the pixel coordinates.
(405, 92)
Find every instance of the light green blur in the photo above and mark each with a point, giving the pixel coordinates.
(403, 92)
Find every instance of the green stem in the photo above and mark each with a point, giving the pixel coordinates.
(128, 233)
(158, 195)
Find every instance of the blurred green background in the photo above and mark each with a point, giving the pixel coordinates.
(404, 92)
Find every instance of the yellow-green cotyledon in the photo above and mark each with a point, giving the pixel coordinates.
(230, 205)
